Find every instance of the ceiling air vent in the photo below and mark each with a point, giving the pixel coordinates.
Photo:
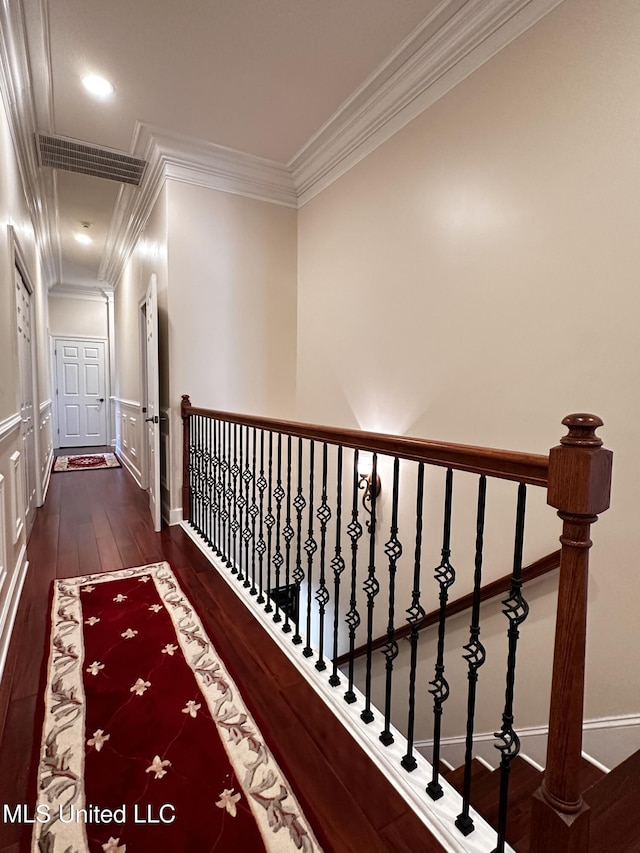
(73, 156)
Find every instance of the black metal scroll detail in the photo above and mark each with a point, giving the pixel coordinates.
(338, 567)
(278, 558)
(261, 545)
(393, 550)
(354, 530)
(475, 657)
(310, 547)
(516, 610)
(445, 575)
(247, 530)
(299, 504)
(269, 522)
(371, 587)
(322, 593)
(288, 533)
(254, 511)
(415, 614)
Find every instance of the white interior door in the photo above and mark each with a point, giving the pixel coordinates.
(25, 360)
(152, 373)
(81, 392)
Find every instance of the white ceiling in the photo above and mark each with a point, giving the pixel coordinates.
(272, 78)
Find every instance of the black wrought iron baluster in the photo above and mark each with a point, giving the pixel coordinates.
(393, 550)
(235, 524)
(338, 566)
(288, 534)
(224, 512)
(253, 512)
(247, 533)
(241, 503)
(196, 472)
(269, 522)
(322, 593)
(354, 530)
(214, 483)
(190, 467)
(475, 657)
(210, 482)
(199, 475)
(310, 547)
(516, 610)
(261, 546)
(372, 587)
(229, 496)
(219, 489)
(445, 575)
(415, 614)
(278, 559)
(298, 574)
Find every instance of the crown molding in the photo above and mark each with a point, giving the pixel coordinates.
(451, 43)
(455, 40)
(89, 294)
(17, 93)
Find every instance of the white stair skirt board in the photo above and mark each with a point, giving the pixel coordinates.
(607, 742)
(438, 816)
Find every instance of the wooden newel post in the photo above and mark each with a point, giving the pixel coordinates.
(186, 491)
(579, 486)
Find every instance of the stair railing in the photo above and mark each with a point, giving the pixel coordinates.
(280, 504)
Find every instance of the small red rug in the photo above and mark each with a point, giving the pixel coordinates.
(147, 744)
(86, 463)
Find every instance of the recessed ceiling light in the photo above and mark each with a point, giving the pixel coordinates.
(84, 239)
(97, 86)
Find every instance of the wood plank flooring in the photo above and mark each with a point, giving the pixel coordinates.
(99, 520)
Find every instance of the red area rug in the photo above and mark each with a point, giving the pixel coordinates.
(86, 463)
(147, 744)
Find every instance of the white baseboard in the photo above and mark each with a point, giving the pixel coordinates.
(10, 605)
(606, 741)
(175, 516)
(47, 476)
(128, 464)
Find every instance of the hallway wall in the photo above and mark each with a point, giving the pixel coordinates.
(475, 279)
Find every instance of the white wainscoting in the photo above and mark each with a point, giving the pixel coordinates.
(46, 445)
(3, 539)
(16, 479)
(128, 437)
(9, 599)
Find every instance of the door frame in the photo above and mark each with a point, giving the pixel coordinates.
(18, 260)
(53, 340)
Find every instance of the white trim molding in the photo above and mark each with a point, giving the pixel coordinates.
(9, 604)
(452, 42)
(9, 425)
(16, 481)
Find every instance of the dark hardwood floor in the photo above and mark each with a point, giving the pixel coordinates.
(99, 520)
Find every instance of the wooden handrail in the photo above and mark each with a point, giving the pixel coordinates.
(528, 468)
(498, 587)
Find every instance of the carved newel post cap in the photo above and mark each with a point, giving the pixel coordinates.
(185, 402)
(580, 469)
(582, 430)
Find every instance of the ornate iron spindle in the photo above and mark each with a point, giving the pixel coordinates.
(338, 566)
(288, 534)
(414, 616)
(269, 522)
(218, 488)
(200, 467)
(261, 546)
(190, 420)
(298, 574)
(224, 512)
(475, 657)
(353, 617)
(247, 532)
(393, 550)
(372, 587)
(230, 500)
(210, 483)
(516, 610)
(445, 575)
(195, 503)
(214, 476)
(278, 559)
(241, 503)
(310, 546)
(322, 594)
(235, 524)
(253, 512)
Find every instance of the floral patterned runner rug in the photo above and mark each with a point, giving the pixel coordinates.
(147, 744)
(86, 462)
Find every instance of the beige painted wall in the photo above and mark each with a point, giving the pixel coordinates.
(78, 317)
(476, 278)
(232, 305)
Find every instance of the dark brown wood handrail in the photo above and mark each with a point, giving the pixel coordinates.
(498, 587)
(528, 468)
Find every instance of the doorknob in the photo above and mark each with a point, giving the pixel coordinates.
(100, 399)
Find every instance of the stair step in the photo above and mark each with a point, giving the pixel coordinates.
(456, 777)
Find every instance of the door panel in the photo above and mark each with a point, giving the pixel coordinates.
(153, 401)
(80, 368)
(25, 362)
